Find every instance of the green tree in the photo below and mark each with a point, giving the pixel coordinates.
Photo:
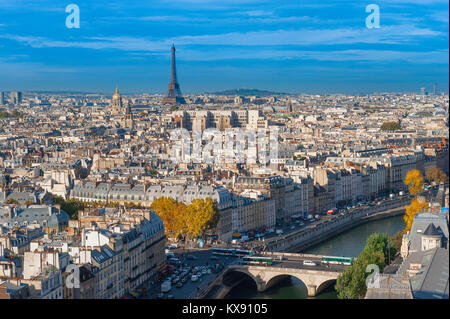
(396, 240)
(390, 126)
(351, 284)
(70, 206)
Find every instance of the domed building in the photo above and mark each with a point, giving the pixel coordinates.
(124, 113)
(116, 103)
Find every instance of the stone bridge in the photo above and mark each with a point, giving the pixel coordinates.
(267, 276)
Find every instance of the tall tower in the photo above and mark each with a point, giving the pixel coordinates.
(16, 97)
(173, 95)
(435, 89)
(129, 123)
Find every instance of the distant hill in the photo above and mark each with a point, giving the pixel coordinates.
(247, 92)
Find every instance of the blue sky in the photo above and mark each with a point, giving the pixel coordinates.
(302, 46)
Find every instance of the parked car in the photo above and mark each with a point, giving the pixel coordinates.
(194, 278)
(179, 284)
(191, 257)
(174, 261)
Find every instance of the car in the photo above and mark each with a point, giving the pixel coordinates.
(160, 296)
(174, 261)
(170, 297)
(214, 258)
(179, 284)
(204, 272)
(170, 255)
(309, 263)
(191, 257)
(194, 278)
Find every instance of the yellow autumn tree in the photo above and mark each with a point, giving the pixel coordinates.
(173, 215)
(436, 175)
(414, 181)
(201, 215)
(411, 210)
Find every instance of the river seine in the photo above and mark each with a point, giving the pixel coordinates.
(347, 244)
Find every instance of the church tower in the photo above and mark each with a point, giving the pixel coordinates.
(129, 118)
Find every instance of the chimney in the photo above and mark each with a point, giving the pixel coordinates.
(147, 214)
(12, 212)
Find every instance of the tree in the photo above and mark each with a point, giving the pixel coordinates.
(70, 206)
(351, 284)
(396, 240)
(414, 181)
(436, 175)
(390, 126)
(411, 210)
(202, 215)
(172, 214)
(153, 172)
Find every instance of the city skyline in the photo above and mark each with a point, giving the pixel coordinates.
(291, 48)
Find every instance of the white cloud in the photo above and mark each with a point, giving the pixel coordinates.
(386, 34)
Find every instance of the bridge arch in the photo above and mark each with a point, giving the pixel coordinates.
(281, 277)
(324, 285)
(265, 277)
(314, 284)
(230, 278)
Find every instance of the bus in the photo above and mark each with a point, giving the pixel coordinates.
(241, 252)
(257, 260)
(231, 252)
(336, 260)
(222, 251)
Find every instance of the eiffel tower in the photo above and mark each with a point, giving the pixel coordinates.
(173, 95)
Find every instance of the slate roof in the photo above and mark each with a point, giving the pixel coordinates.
(431, 282)
(431, 231)
(421, 223)
(51, 216)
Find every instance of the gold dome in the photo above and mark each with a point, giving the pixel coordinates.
(116, 95)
